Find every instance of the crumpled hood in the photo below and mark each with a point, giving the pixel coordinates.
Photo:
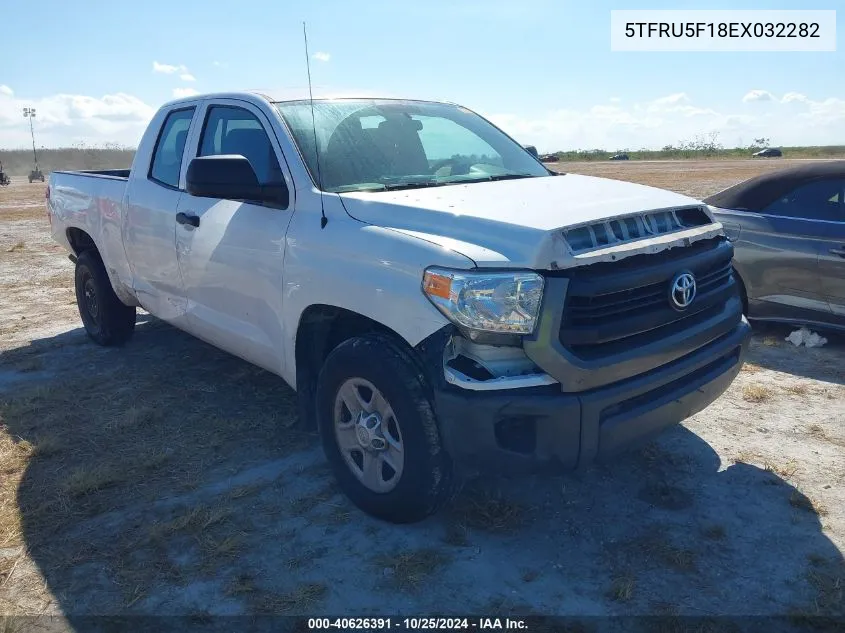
(510, 222)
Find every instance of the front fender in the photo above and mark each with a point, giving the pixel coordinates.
(370, 270)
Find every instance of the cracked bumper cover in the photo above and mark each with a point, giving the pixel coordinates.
(540, 428)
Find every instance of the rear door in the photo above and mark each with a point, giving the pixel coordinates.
(832, 255)
(149, 230)
(231, 262)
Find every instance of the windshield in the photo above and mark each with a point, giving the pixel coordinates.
(380, 145)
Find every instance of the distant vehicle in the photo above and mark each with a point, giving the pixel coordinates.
(549, 158)
(431, 312)
(788, 232)
(36, 174)
(769, 152)
(4, 179)
(619, 157)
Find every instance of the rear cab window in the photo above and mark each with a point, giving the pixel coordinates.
(166, 164)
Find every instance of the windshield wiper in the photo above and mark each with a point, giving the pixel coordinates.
(395, 186)
(492, 177)
(419, 184)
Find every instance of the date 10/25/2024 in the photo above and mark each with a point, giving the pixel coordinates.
(414, 624)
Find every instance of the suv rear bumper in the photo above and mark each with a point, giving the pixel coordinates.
(543, 428)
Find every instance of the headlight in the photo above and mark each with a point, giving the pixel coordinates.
(489, 302)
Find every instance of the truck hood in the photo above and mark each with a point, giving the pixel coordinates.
(520, 223)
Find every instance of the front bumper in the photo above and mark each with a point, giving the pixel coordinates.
(544, 428)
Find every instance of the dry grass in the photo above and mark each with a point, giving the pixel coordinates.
(750, 368)
(659, 549)
(306, 556)
(715, 532)
(622, 588)
(96, 444)
(785, 471)
(409, 569)
(797, 389)
(488, 511)
(86, 480)
(756, 393)
(747, 457)
(13, 624)
(693, 178)
(828, 589)
(802, 502)
(34, 363)
(305, 504)
(457, 534)
(818, 432)
(241, 585)
(216, 549)
(14, 457)
(195, 521)
(530, 575)
(16, 247)
(300, 600)
(828, 583)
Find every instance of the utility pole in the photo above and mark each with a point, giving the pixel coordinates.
(29, 113)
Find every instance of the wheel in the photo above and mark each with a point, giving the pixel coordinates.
(106, 319)
(379, 431)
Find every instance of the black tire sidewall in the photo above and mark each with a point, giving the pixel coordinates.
(425, 483)
(116, 321)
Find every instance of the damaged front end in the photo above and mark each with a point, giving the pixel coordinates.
(616, 239)
(478, 367)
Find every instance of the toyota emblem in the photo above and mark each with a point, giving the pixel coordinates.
(682, 290)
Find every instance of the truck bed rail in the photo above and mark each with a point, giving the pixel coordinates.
(121, 174)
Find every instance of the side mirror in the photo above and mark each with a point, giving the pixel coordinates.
(532, 150)
(232, 177)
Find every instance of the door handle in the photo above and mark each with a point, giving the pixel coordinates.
(184, 218)
(838, 251)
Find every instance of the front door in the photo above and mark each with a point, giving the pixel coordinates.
(231, 252)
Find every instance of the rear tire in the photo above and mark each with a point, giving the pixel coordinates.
(106, 319)
(394, 425)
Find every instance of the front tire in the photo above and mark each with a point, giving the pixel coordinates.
(379, 431)
(106, 319)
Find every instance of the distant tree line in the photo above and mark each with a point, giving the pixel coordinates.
(702, 146)
(18, 162)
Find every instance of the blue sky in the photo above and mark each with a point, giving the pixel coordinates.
(542, 69)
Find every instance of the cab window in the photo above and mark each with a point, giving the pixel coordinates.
(233, 130)
(170, 148)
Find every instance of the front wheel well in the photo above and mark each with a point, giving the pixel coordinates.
(321, 329)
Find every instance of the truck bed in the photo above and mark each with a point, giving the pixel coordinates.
(90, 203)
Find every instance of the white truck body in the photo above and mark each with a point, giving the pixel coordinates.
(243, 278)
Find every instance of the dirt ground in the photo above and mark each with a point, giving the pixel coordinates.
(167, 477)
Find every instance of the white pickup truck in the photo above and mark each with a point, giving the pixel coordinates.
(438, 299)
